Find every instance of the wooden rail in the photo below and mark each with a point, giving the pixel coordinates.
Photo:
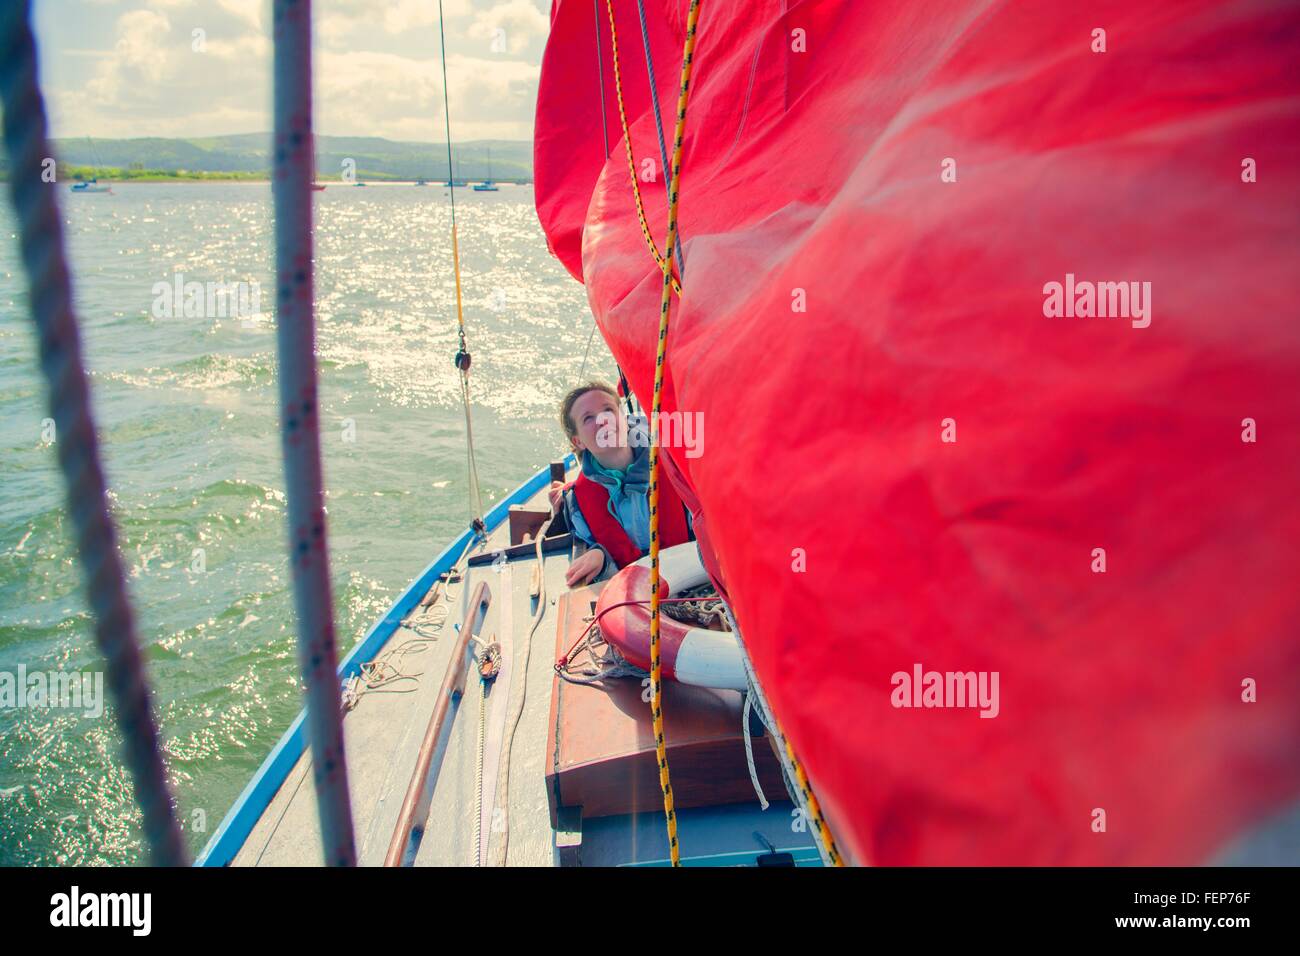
(419, 791)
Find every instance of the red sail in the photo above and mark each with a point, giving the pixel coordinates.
(918, 451)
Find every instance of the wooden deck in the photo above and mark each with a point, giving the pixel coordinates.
(383, 733)
(384, 730)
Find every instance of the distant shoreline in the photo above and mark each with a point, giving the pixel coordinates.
(257, 180)
(249, 157)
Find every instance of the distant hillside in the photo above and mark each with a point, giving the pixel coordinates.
(249, 153)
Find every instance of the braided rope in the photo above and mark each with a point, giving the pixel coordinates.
(791, 770)
(295, 164)
(810, 801)
(50, 291)
(665, 303)
(664, 266)
(501, 848)
(478, 771)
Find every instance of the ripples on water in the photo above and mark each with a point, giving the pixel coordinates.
(187, 414)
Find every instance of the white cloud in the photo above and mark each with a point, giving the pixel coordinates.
(378, 69)
(343, 20)
(377, 94)
(519, 21)
(153, 82)
(249, 11)
(140, 52)
(381, 94)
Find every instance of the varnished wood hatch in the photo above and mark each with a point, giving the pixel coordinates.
(602, 756)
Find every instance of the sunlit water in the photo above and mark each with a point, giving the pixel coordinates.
(187, 414)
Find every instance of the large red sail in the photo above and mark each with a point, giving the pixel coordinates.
(919, 452)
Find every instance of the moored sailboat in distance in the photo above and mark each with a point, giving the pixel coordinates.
(91, 185)
(487, 186)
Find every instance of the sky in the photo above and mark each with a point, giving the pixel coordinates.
(116, 69)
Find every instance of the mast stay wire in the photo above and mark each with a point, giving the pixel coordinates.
(462, 358)
(604, 133)
(659, 123)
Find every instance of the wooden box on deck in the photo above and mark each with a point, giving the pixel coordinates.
(603, 749)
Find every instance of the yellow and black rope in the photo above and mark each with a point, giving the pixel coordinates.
(664, 266)
(671, 285)
(813, 807)
(656, 667)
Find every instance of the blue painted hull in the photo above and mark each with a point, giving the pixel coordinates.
(259, 792)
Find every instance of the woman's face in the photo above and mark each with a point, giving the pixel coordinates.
(600, 424)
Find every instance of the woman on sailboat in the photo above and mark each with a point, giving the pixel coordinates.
(608, 506)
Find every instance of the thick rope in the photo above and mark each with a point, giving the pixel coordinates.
(664, 265)
(810, 799)
(827, 841)
(749, 750)
(665, 304)
(478, 770)
(800, 789)
(300, 423)
(50, 291)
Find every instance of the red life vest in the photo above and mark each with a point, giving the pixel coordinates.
(593, 501)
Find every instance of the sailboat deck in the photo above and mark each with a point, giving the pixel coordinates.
(384, 731)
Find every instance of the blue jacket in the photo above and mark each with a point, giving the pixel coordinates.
(629, 502)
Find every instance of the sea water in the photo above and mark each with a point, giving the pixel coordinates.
(187, 411)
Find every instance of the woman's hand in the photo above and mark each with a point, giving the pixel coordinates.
(586, 567)
(556, 491)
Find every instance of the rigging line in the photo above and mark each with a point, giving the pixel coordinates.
(451, 175)
(600, 76)
(294, 170)
(478, 771)
(583, 374)
(502, 794)
(826, 843)
(659, 122)
(40, 237)
(663, 264)
(284, 811)
(800, 790)
(665, 306)
(462, 358)
(475, 493)
(604, 130)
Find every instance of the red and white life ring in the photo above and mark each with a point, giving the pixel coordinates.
(690, 655)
